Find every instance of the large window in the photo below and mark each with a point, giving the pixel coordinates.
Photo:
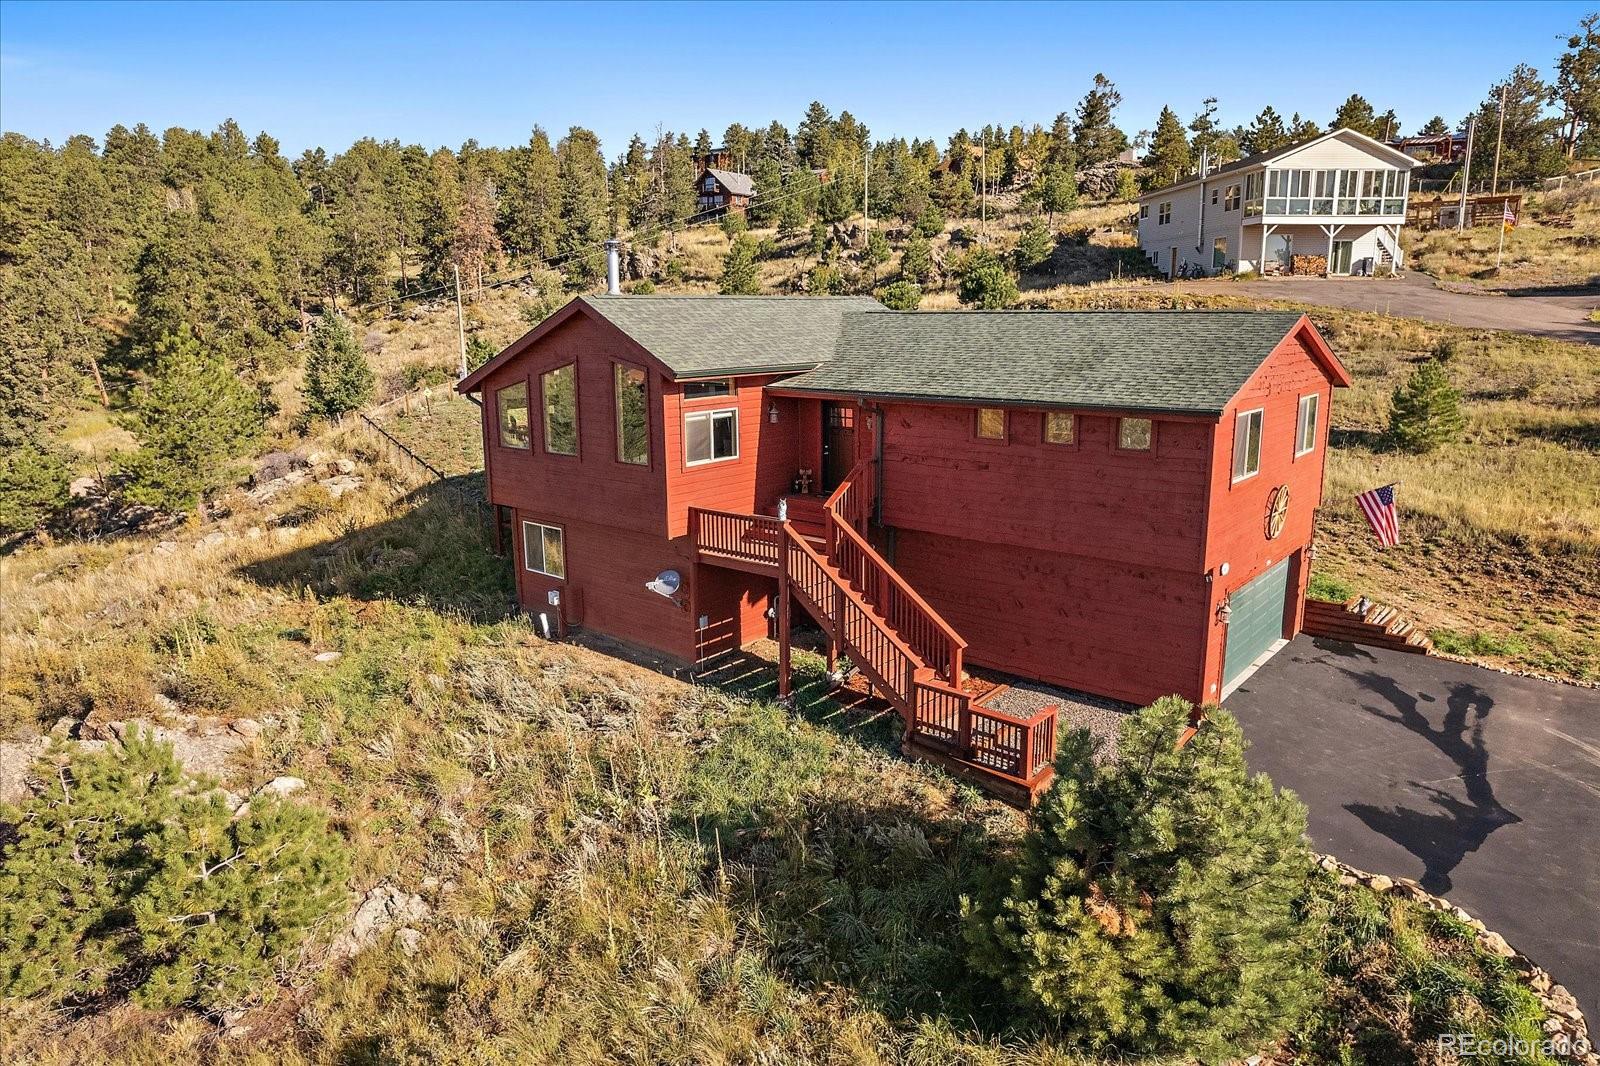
(1058, 427)
(511, 406)
(710, 436)
(1247, 444)
(544, 550)
(991, 423)
(1164, 213)
(1305, 430)
(633, 416)
(1135, 434)
(1335, 192)
(559, 388)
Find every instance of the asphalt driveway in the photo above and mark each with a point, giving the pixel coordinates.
(1483, 786)
(1562, 315)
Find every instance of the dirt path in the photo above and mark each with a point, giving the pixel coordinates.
(1559, 316)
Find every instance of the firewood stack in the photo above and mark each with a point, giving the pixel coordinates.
(1309, 264)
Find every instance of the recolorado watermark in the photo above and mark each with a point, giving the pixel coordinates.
(1473, 1046)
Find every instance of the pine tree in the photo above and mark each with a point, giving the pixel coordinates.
(34, 477)
(814, 136)
(1095, 136)
(1302, 129)
(338, 378)
(531, 206)
(1169, 157)
(877, 252)
(1062, 154)
(1577, 87)
(1159, 901)
(1435, 127)
(1425, 412)
(191, 421)
(984, 281)
(1033, 244)
(1357, 114)
(740, 274)
(475, 239)
(1530, 146)
(1210, 139)
(1266, 133)
(901, 296)
(583, 206)
(916, 261)
(1056, 190)
(123, 876)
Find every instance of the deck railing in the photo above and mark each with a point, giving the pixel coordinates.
(747, 537)
(919, 625)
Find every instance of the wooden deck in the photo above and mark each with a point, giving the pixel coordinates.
(909, 655)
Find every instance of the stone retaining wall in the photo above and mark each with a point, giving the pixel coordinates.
(1566, 1022)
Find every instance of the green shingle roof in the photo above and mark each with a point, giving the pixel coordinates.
(697, 336)
(1173, 361)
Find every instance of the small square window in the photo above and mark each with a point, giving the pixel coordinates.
(544, 550)
(1058, 427)
(1135, 434)
(1247, 444)
(709, 436)
(991, 423)
(1305, 435)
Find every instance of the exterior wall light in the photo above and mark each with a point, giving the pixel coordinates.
(1225, 610)
(772, 413)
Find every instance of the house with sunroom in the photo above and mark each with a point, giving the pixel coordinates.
(1113, 502)
(1337, 201)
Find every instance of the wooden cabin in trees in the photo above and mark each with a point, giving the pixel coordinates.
(721, 191)
(1114, 502)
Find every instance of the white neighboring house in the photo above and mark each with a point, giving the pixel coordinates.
(1341, 195)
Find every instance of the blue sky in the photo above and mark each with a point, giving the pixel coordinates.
(325, 74)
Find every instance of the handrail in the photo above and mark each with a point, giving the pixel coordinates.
(899, 603)
(728, 533)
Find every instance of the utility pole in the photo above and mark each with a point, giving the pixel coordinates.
(866, 178)
(1466, 172)
(1499, 136)
(461, 321)
(983, 189)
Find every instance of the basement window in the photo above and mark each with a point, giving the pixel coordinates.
(511, 407)
(559, 388)
(1305, 433)
(1058, 427)
(633, 417)
(1135, 434)
(991, 423)
(544, 550)
(710, 436)
(1247, 444)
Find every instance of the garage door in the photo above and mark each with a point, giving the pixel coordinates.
(1256, 622)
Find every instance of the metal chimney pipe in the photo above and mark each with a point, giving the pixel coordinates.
(613, 270)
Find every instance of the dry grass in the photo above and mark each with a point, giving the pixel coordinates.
(1537, 254)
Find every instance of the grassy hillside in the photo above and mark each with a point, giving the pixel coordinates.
(1555, 245)
(622, 867)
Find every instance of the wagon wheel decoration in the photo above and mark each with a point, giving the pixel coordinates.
(1277, 511)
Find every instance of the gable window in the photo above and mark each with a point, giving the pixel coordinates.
(699, 390)
(711, 185)
(511, 406)
(991, 423)
(1230, 202)
(1305, 432)
(1135, 434)
(1058, 427)
(1246, 444)
(710, 436)
(559, 388)
(1164, 213)
(633, 416)
(544, 550)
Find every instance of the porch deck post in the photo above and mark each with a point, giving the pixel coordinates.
(783, 611)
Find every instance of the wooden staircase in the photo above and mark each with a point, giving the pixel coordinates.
(873, 617)
(1363, 622)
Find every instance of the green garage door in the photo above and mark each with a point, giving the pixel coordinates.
(1256, 621)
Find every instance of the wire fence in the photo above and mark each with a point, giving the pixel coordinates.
(466, 496)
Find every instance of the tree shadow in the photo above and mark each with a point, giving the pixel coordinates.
(1454, 827)
(436, 551)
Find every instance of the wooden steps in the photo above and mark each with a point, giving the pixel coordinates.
(1376, 625)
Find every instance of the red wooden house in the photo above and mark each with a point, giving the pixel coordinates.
(1114, 502)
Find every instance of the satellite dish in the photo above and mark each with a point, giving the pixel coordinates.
(665, 584)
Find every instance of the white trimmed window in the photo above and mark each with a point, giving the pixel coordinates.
(1164, 213)
(544, 550)
(1144, 210)
(710, 436)
(1247, 444)
(1305, 430)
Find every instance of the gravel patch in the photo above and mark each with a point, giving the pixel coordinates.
(1074, 710)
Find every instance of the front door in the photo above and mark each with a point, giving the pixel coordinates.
(838, 443)
(1340, 264)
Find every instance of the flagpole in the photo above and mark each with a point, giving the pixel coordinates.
(1502, 249)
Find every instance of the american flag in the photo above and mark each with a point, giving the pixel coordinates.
(1378, 506)
(1507, 216)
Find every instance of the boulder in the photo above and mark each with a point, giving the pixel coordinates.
(246, 727)
(328, 656)
(83, 486)
(340, 484)
(275, 465)
(197, 754)
(16, 763)
(382, 909)
(282, 786)
(344, 466)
